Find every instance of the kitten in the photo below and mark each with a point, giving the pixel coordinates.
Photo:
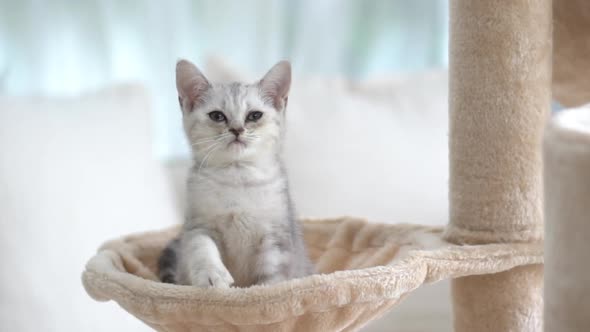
(240, 228)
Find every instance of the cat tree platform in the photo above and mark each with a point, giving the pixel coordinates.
(365, 268)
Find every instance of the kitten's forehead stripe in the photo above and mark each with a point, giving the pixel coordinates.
(235, 90)
(235, 99)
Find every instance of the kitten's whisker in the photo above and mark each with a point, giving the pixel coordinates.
(215, 136)
(210, 139)
(207, 163)
(206, 160)
(252, 136)
(207, 141)
(210, 149)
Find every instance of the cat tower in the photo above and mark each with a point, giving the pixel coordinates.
(500, 94)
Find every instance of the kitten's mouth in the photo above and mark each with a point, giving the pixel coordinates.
(237, 142)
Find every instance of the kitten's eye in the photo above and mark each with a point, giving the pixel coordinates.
(217, 116)
(254, 116)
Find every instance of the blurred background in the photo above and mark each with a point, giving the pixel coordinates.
(66, 47)
(92, 147)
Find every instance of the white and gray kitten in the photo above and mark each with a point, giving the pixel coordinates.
(240, 228)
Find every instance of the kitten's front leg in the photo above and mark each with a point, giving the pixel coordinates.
(272, 262)
(205, 267)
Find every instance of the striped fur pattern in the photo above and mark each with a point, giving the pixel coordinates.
(240, 228)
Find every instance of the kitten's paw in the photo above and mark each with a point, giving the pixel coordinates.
(212, 277)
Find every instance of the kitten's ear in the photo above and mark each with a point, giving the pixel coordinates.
(274, 86)
(190, 83)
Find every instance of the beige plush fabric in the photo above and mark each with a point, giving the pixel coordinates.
(500, 94)
(366, 269)
(571, 57)
(567, 192)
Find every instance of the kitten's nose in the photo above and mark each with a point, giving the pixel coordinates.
(237, 131)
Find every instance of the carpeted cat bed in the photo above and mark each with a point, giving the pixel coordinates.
(365, 269)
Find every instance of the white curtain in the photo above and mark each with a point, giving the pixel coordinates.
(62, 47)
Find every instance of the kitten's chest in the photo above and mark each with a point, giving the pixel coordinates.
(242, 200)
(241, 215)
(242, 218)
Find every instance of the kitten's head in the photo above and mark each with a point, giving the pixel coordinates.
(225, 123)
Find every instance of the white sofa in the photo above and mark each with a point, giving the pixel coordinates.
(75, 172)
